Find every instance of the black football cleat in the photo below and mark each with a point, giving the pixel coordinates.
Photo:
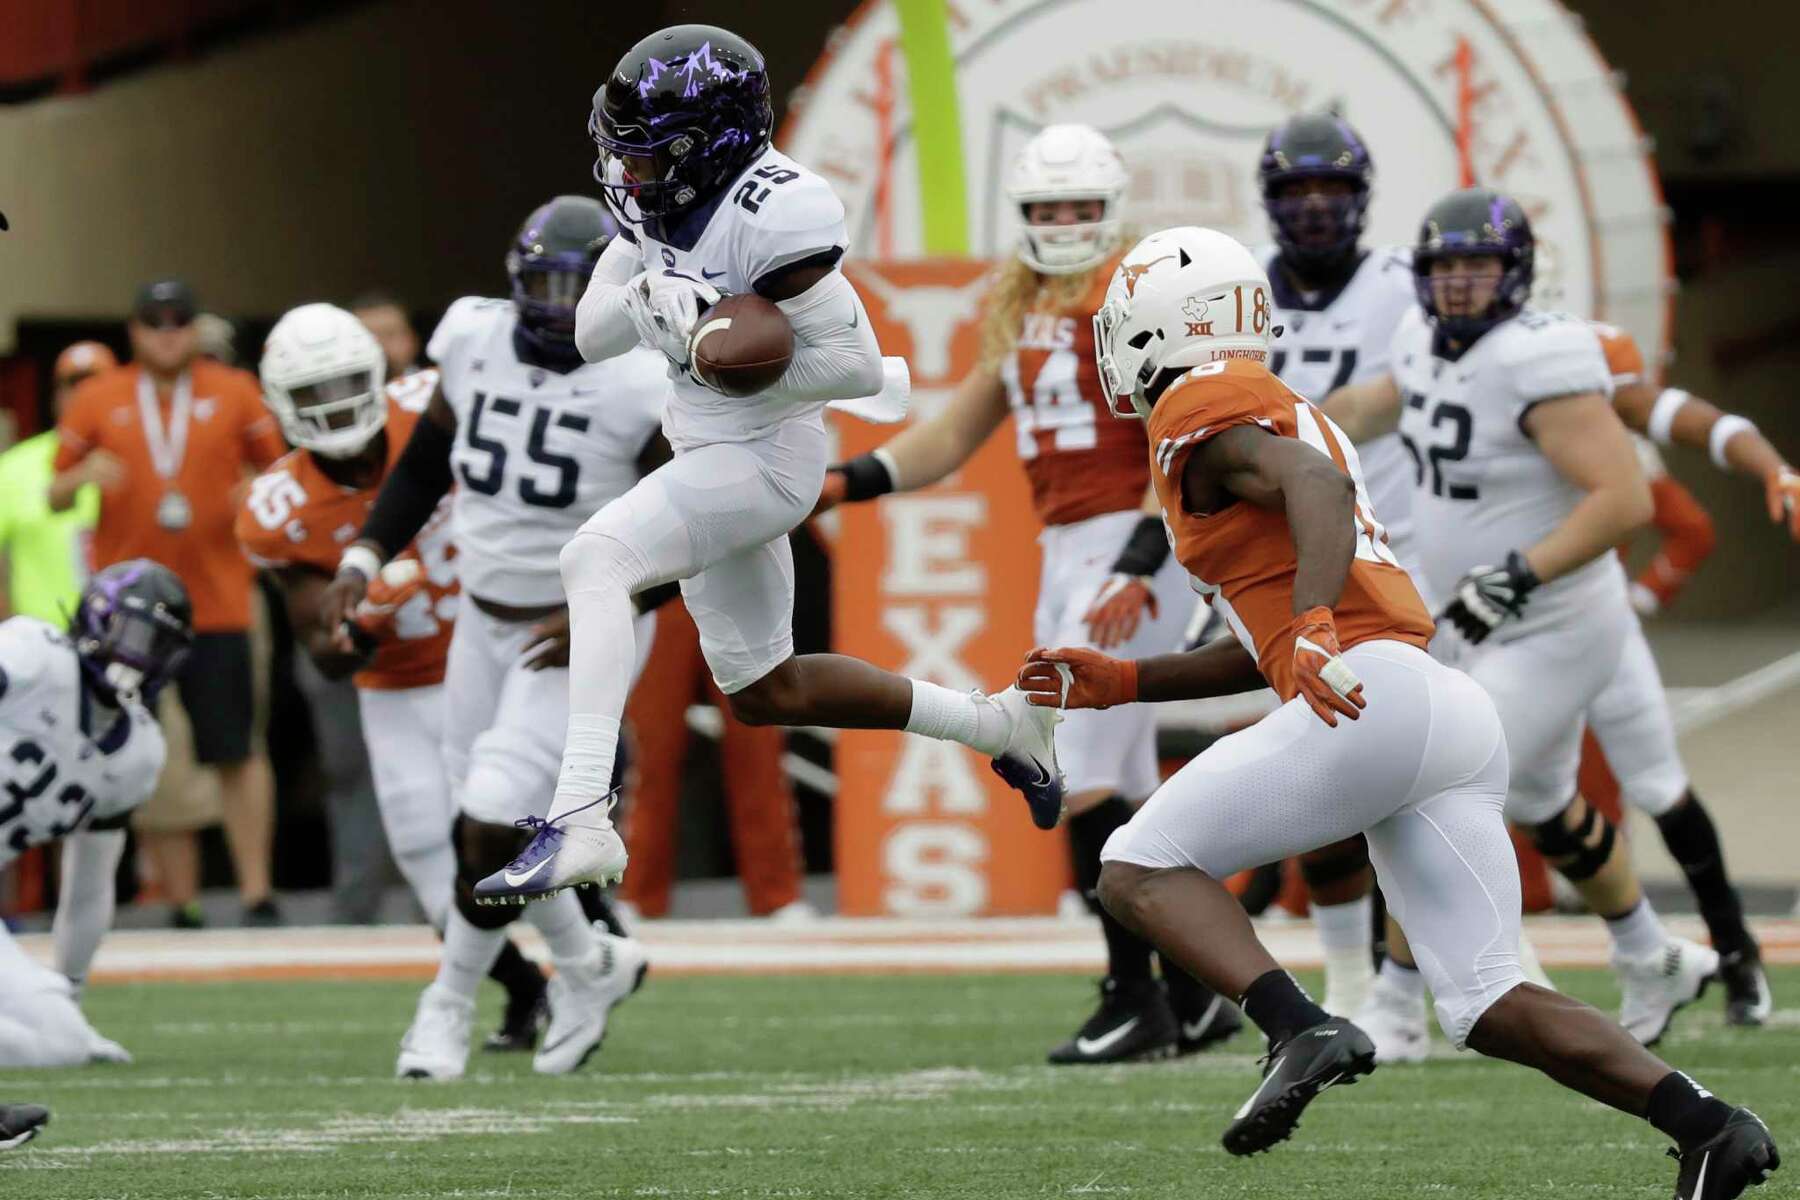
(1214, 1021)
(1740, 1155)
(1331, 1052)
(19, 1123)
(1747, 998)
(520, 1024)
(1132, 1023)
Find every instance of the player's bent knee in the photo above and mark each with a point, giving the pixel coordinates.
(1122, 893)
(778, 698)
(1578, 841)
(593, 561)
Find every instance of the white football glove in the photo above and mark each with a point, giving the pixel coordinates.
(671, 307)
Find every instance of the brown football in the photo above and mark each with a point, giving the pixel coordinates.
(741, 345)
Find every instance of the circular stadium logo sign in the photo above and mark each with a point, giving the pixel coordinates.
(914, 114)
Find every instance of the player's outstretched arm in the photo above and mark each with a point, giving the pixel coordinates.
(84, 907)
(1586, 443)
(926, 452)
(408, 497)
(1367, 409)
(1075, 677)
(604, 325)
(1674, 416)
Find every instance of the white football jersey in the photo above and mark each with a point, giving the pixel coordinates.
(1481, 488)
(775, 214)
(536, 452)
(1329, 339)
(56, 777)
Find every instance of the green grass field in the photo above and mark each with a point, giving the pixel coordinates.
(860, 1086)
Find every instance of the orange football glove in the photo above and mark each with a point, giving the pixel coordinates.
(388, 593)
(1324, 679)
(1783, 491)
(1116, 612)
(1075, 678)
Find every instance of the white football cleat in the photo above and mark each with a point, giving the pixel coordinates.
(1660, 985)
(582, 995)
(576, 848)
(1396, 1023)
(102, 1049)
(437, 1045)
(1028, 762)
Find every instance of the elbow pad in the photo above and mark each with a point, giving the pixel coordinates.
(411, 492)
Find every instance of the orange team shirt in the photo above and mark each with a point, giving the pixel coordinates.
(297, 516)
(1623, 358)
(230, 434)
(1242, 558)
(1081, 460)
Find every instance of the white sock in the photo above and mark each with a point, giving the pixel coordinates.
(952, 716)
(1637, 934)
(602, 650)
(1403, 979)
(1347, 935)
(587, 768)
(565, 927)
(469, 954)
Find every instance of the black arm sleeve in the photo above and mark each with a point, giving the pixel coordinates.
(1146, 550)
(411, 492)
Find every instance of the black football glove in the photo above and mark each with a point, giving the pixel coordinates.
(1487, 596)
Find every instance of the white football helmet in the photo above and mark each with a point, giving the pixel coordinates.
(322, 377)
(1181, 298)
(1067, 162)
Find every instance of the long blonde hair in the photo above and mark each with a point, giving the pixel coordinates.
(1018, 290)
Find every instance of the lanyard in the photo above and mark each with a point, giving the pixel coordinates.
(167, 446)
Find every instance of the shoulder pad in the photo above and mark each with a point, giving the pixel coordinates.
(462, 319)
(805, 204)
(28, 646)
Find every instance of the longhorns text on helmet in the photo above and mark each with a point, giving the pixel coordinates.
(1188, 90)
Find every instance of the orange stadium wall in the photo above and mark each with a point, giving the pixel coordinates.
(939, 584)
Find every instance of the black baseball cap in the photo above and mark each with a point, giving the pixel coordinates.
(165, 297)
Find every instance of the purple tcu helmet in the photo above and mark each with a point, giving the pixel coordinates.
(684, 112)
(1316, 231)
(550, 262)
(133, 625)
(1467, 223)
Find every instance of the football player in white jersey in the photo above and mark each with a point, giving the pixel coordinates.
(1524, 481)
(79, 751)
(1337, 304)
(683, 126)
(534, 440)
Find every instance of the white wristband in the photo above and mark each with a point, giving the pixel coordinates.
(362, 560)
(1662, 413)
(1723, 430)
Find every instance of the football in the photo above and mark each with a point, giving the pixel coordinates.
(741, 345)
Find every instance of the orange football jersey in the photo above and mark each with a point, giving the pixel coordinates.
(1242, 557)
(1623, 358)
(295, 515)
(1081, 460)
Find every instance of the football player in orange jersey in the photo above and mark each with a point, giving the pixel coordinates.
(322, 375)
(1107, 579)
(1266, 506)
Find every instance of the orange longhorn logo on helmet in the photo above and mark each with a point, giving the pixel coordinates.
(1133, 273)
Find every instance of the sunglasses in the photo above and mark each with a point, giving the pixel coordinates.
(165, 318)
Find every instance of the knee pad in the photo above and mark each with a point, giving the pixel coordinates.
(1329, 864)
(481, 849)
(1568, 849)
(594, 561)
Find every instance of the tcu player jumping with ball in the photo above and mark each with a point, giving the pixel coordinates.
(683, 127)
(1265, 503)
(536, 440)
(322, 375)
(1108, 580)
(78, 752)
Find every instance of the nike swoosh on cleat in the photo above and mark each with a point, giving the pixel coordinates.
(1105, 1041)
(1254, 1096)
(1193, 1029)
(515, 880)
(1700, 1180)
